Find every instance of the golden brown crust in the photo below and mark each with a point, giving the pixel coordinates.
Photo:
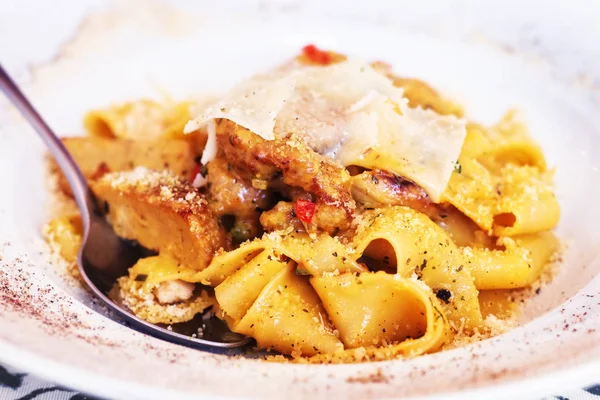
(162, 213)
(97, 156)
(297, 165)
(379, 188)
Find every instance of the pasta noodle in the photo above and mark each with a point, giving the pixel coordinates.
(504, 198)
(518, 266)
(308, 297)
(423, 248)
(145, 119)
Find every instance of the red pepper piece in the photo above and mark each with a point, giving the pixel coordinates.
(305, 210)
(195, 171)
(316, 55)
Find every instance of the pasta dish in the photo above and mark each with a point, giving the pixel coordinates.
(328, 208)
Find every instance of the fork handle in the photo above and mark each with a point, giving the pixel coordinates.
(56, 147)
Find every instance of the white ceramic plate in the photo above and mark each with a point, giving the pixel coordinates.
(490, 56)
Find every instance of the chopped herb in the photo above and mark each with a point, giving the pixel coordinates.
(334, 254)
(302, 271)
(457, 167)
(240, 233)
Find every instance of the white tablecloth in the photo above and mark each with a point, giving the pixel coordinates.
(16, 385)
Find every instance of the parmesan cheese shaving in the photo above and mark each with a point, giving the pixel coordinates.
(210, 150)
(254, 104)
(349, 112)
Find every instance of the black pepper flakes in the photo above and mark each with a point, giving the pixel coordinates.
(457, 167)
(444, 295)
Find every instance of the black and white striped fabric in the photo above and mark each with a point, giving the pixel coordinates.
(20, 386)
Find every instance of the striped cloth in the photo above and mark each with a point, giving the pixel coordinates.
(20, 386)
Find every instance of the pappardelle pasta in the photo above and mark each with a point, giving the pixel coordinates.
(329, 209)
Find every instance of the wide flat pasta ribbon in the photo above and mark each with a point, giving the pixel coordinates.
(420, 246)
(501, 181)
(310, 297)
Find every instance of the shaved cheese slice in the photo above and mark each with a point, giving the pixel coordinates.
(254, 104)
(417, 144)
(349, 112)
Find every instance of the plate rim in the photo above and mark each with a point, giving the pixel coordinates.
(552, 378)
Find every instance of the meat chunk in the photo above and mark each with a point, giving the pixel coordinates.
(175, 291)
(297, 165)
(97, 156)
(378, 188)
(230, 195)
(162, 213)
(280, 218)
